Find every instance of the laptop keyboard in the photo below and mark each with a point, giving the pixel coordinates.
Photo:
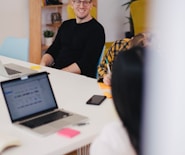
(11, 71)
(46, 119)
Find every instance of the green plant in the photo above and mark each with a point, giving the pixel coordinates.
(127, 4)
(130, 21)
(48, 33)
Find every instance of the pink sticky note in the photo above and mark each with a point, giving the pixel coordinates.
(68, 132)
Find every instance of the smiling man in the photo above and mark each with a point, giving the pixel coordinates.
(78, 43)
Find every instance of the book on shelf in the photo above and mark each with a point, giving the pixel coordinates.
(43, 2)
(53, 2)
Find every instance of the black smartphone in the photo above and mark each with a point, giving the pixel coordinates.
(96, 99)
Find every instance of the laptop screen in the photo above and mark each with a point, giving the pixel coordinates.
(28, 96)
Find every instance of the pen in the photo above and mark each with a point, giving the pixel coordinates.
(82, 123)
(108, 67)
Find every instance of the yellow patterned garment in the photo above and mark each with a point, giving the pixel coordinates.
(110, 55)
(141, 39)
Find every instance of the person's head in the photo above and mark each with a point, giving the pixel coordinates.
(82, 10)
(127, 88)
(141, 39)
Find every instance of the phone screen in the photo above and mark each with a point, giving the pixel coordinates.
(96, 99)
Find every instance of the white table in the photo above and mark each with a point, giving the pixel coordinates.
(71, 91)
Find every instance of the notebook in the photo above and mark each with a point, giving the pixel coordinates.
(31, 103)
(12, 70)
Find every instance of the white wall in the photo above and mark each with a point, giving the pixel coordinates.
(164, 127)
(14, 17)
(112, 15)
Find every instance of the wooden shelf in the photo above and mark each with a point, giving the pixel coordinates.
(36, 12)
(52, 6)
(55, 25)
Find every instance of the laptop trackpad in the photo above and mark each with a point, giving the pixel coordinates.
(59, 124)
(51, 127)
(71, 120)
(44, 130)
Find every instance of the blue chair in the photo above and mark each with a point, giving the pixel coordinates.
(17, 48)
(104, 51)
(99, 61)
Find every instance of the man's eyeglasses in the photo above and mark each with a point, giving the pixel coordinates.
(85, 3)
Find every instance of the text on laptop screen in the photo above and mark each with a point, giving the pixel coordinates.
(26, 97)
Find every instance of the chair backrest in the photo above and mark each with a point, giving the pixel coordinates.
(71, 14)
(100, 59)
(104, 51)
(138, 10)
(17, 48)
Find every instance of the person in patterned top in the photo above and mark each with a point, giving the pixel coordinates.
(105, 66)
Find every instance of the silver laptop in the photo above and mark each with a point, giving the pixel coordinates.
(12, 70)
(31, 103)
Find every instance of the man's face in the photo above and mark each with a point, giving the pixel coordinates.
(82, 9)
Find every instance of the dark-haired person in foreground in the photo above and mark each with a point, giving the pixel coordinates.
(78, 43)
(123, 137)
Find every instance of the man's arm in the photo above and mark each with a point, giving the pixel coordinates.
(46, 60)
(73, 68)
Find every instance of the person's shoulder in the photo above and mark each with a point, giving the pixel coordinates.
(120, 44)
(122, 41)
(114, 138)
(113, 126)
(97, 23)
(66, 24)
(69, 21)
